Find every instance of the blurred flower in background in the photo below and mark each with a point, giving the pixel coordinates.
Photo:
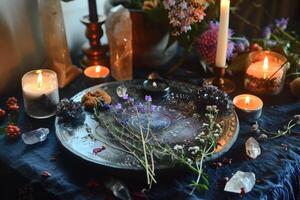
(183, 14)
(206, 44)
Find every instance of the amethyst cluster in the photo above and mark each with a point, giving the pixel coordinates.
(70, 112)
(210, 95)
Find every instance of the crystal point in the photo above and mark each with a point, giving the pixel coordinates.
(240, 181)
(121, 91)
(252, 148)
(35, 136)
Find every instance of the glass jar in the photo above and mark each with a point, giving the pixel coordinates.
(265, 72)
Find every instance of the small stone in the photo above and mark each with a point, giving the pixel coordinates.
(121, 91)
(252, 148)
(35, 136)
(240, 181)
(263, 136)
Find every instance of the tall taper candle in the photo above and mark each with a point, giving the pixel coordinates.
(93, 15)
(223, 34)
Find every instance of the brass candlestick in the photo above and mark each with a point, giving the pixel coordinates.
(219, 81)
(94, 52)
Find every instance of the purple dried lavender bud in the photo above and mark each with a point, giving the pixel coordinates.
(153, 107)
(126, 97)
(118, 106)
(148, 98)
(267, 32)
(282, 23)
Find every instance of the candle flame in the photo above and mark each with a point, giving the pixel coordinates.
(266, 66)
(247, 100)
(98, 69)
(39, 78)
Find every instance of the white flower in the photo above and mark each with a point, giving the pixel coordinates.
(189, 161)
(205, 125)
(178, 147)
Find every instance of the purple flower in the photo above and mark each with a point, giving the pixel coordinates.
(242, 45)
(141, 108)
(125, 97)
(148, 98)
(206, 44)
(153, 108)
(118, 106)
(267, 32)
(282, 23)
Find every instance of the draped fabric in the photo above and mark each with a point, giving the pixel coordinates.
(277, 169)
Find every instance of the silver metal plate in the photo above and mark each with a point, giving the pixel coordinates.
(174, 121)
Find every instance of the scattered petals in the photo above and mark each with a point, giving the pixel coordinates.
(46, 174)
(98, 150)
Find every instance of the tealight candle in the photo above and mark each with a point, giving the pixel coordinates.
(266, 72)
(248, 107)
(156, 88)
(97, 72)
(40, 93)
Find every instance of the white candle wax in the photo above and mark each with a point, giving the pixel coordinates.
(223, 34)
(40, 93)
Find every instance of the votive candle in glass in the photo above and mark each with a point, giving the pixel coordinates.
(40, 93)
(265, 74)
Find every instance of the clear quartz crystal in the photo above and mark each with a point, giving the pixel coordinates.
(121, 91)
(118, 189)
(252, 148)
(35, 136)
(240, 181)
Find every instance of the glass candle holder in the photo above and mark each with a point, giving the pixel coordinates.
(40, 93)
(265, 72)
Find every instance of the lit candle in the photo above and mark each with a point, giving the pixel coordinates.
(248, 107)
(223, 34)
(97, 72)
(40, 93)
(156, 88)
(265, 74)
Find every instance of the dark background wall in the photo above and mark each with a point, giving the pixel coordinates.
(257, 15)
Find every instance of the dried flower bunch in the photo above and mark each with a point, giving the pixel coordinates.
(183, 14)
(147, 149)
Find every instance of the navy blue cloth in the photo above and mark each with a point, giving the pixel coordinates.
(277, 169)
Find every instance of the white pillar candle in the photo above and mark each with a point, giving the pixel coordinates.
(223, 34)
(40, 93)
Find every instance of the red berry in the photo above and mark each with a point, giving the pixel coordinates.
(12, 131)
(2, 114)
(11, 101)
(13, 107)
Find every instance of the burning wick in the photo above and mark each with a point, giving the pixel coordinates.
(266, 66)
(39, 79)
(98, 69)
(154, 84)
